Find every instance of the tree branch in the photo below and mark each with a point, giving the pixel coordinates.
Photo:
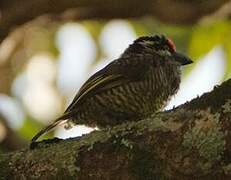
(14, 13)
(192, 141)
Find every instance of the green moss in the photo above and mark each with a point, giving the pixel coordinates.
(127, 143)
(227, 106)
(227, 169)
(4, 168)
(207, 138)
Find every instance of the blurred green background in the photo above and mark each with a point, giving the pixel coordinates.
(42, 66)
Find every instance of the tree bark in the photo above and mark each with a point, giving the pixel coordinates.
(192, 141)
(14, 13)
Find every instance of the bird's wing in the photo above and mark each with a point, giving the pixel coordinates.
(98, 82)
(94, 85)
(114, 74)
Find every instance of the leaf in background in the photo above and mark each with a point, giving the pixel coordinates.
(139, 28)
(95, 28)
(227, 50)
(30, 128)
(207, 36)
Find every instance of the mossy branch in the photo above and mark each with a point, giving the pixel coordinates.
(192, 141)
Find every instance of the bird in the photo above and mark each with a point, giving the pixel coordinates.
(134, 86)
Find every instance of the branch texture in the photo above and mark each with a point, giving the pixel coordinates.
(192, 141)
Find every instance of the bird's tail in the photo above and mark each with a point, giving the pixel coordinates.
(61, 120)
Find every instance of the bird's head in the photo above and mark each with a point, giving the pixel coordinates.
(160, 45)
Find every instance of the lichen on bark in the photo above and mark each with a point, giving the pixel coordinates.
(192, 141)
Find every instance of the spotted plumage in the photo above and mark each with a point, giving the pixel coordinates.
(130, 88)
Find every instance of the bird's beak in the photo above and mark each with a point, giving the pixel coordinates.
(182, 59)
